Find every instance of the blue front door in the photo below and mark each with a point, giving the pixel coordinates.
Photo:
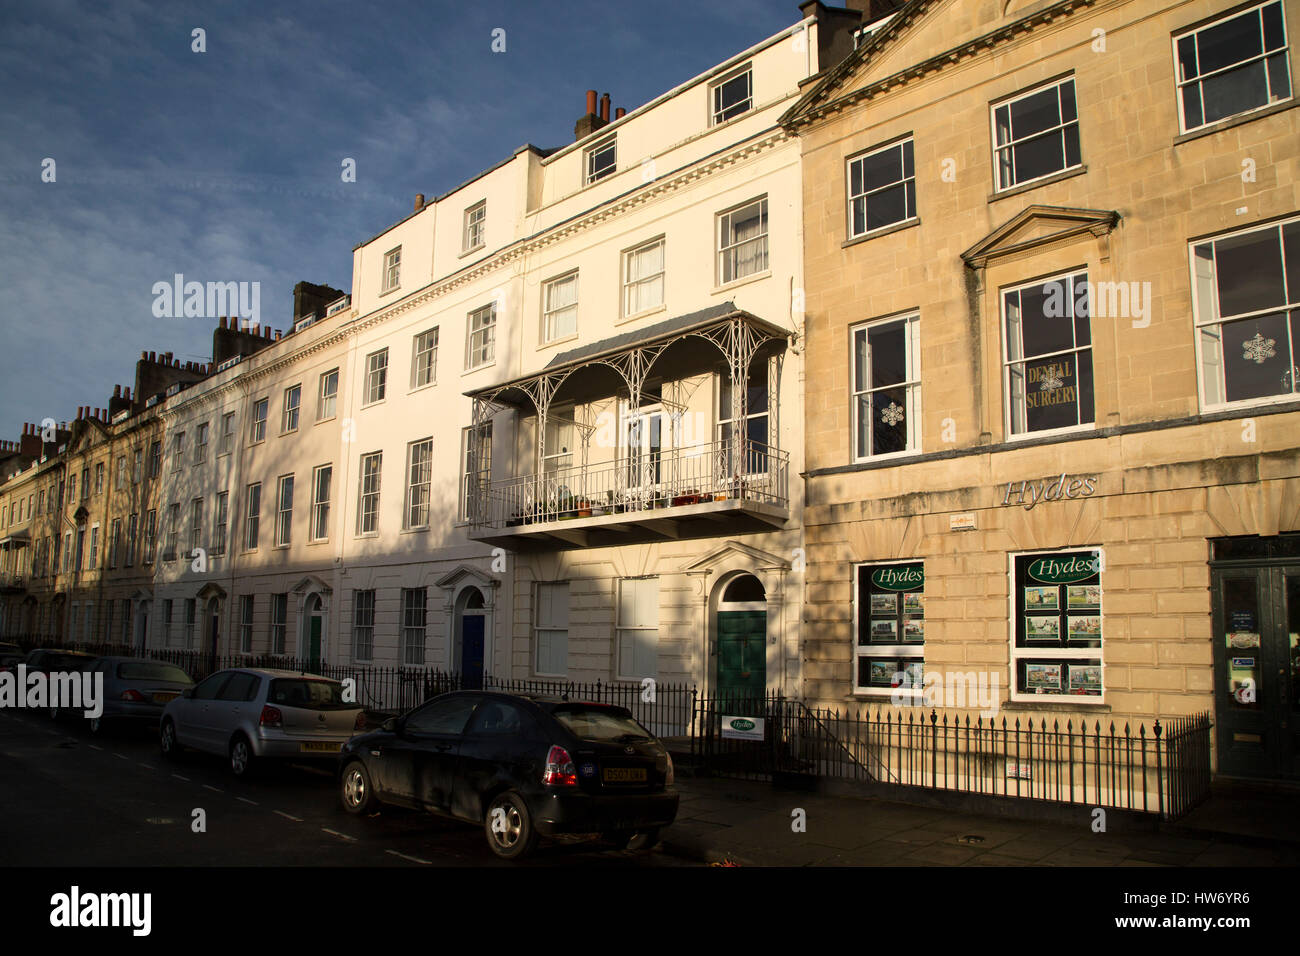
(471, 651)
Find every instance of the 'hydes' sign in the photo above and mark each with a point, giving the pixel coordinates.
(1030, 493)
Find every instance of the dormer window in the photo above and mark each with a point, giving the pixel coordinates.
(732, 95)
(392, 269)
(601, 160)
(475, 226)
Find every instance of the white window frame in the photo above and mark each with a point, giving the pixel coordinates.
(551, 313)
(481, 337)
(1067, 276)
(172, 549)
(424, 359)
(252, 515)
(415, 626)
(363, 624)
(592, 173)
(473, 471)
(284, 515)
(622, 628)
(320, 503)
(904, 180)
(728, 246)
(246, 624)
(327, 400)
(1201, 286)
(716, 117)
(392, 269)
(219, 530)
(200, 443)
(627, 284)
(898, 649)
(369, 487)
(1010, 145)
(278, 629)
(419, 484)
(550, 627)
(261, 410)
(227, 440)
(150, 536)
(1064, 654)
(474, 234)
(912, 359)
(292, 409)
(376, 378)
(196, 525)
(1181, 84)
(191, 620)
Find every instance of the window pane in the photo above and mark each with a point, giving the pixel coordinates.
(1249, 272)
(1040, 156)
(886, 207)
(1229, 42)
(1187, 57)
(1034, 114)
(888, 354)
(1255, 359)
(1235, 91)
(1045, 317)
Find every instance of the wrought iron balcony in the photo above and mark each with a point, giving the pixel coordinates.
(699, 490)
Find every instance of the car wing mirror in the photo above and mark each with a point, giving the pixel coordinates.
(188, 692)
(390, 725)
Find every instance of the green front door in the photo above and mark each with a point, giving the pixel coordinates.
(742, 654)
(1257, 669)
(313, 648)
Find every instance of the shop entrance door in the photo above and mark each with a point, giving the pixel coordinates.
(1256, 622)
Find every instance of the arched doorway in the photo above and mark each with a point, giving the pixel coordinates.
(312, 629)
(741, 660)
(471, 630)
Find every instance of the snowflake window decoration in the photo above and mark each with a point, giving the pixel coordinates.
(892, 414)
(1258, 349)
(1050, 381)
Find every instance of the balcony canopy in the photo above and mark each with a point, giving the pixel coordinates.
(630, 359)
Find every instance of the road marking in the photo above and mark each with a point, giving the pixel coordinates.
(289, 816)
(148, 766)
(246, 800)
(179, 777)
(208, 786)
(340, 835)
(122, 756)
(413, 859)
(91, 746)
(316, 770)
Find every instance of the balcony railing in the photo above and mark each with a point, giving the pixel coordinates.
(718, 471)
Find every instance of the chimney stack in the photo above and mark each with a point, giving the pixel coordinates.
(419, 201)
(590, 121)
(604, 109)
(620, 113)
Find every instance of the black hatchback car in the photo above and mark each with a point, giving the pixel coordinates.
(521, 767)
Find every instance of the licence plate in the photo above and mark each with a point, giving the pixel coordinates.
(162, 698)
(623, 775)
(320, 747)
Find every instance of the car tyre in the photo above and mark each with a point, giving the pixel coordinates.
(644, 839)
(509, 826)
(167, 742)
(242, 760)
(356, 791)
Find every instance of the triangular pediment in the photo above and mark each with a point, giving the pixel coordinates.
(922, 37)
(1039, 225)
(312, 583)
(454, 578)
(732, 550)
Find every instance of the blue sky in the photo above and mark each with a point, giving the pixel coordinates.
(225, 165)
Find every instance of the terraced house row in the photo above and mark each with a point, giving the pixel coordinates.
(952, 337)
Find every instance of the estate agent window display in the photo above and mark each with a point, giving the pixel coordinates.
(1056, 625)
(889, 631)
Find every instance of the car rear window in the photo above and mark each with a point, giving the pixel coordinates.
(307, 694)
(151, 670)
(599, 723)
(66, 662)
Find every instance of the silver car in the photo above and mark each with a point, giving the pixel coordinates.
(249, 714)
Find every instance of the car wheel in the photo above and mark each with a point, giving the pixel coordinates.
(356, 791)
(242, 761)
(509, 827)
(167, 742)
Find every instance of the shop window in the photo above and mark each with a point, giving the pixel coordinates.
(889, 646)
(1056, 606)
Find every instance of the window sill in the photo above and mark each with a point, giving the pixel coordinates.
(891, 456)
(1244, 404)
(554, 342)
(421, 388)
(1051, 433)
(328, 418)
(1053, 703)
(469, 252)
(642, 315)
(743, 280)
(478, 368)
(1230, 122)
(424, 530)
(882, 231)
(1034, 184)
(318, 541)
(379, 401)
(384, 292)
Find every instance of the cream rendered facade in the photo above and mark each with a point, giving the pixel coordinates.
(688, 263)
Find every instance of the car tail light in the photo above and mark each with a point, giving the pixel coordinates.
(271, 717)
(134, 696)
(668, 777)
(360, 723)
(560, 771)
